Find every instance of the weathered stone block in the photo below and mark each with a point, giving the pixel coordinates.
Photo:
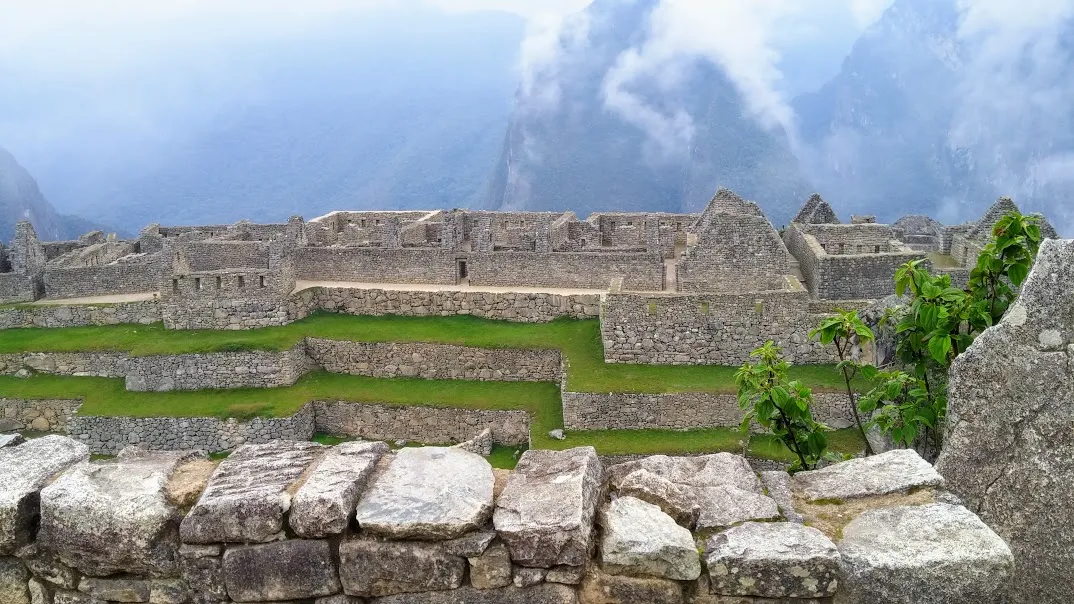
(115, 590)
(371, 568)
(13, 582)
(895, 471)
(538, 594)
(45, 565)
(491, 569)
(326, 501)
(641, 540)
(114, 516)
(726, 505)
(772, 560)
(600, 588)
(249, 493)
(429, 493)
(929, 554)
(24, 471)
(288, 570)
(545, 513)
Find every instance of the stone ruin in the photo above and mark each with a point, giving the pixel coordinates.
(300, 522)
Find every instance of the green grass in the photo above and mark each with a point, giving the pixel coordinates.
(579, 341)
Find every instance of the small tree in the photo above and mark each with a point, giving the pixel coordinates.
(847, 332)
(906, 409)
(783, 407)
(1003, 265)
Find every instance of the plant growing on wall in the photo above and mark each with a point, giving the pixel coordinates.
(1003, 265)
(904, 407)
(783, 407)
(847, 332)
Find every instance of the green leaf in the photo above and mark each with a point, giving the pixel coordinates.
(939, 347)
(1018, 273)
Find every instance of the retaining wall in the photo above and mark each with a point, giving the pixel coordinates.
(248, 369)
(36, 415)
(438, 425)
(93, 364)
(80, 315)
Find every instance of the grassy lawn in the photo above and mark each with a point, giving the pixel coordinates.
(103, 396)
(579, 341)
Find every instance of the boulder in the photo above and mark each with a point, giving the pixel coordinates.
(13, 582)
(544, 593)
(678, 501)
(249, 493)
(601, 588)
(772, 560)
(492, 569)
(567, 575)
(114, 516)
(288, 570)
(24, 471)
(641, 540)
(371, 568)
(324, 504)
(929, 554)
(896, 471)
(115, 590)
(429, 493)
(545, 513)
(1009, 449)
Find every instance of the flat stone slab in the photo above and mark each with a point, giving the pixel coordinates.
(114, 516)
(726, 505)
(772, 560)
(546, 511)
(538, 594)
(325, 503)
(295, 569)
(116, 590)
(371, 568)
(429, 493)
(928, 554)
(641, 540)
(249, 493)
(24, 471)
(895, 471)
(701, 471)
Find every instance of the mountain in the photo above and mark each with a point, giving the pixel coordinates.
(929, 115)
(21, 199)
(577, 153)
(396, 109)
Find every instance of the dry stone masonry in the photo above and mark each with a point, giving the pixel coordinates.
(358, 523)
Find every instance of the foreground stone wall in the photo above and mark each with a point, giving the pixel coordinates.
(300, 522)
(708, 329)
(79, 315)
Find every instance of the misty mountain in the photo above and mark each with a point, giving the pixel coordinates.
(925, 118)
(400, 109)
(21, 199)
(566, 150)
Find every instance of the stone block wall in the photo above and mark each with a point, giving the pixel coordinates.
(299, 522)
(643, 271)
(78, 315)
(95, 364)
(20, 288)
(506, 306)
(436, 425)
(86, 281)
(708, 329)
(435, 361)
(247, 369)
(375, 265)
(36, 415)
(225, 313)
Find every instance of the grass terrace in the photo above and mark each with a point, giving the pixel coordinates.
(579, 341)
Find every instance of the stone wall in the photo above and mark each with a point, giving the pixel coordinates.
(226, 313)
(433, 425)
(110, 279)
(95, 364)
(375, 265)
(36, 415)
(676, 410)
(247, 369)
(707, 329)
(19, 288)
(78, 315)
(299, 522)
(506, 306)
(641, 271)
(435, 361)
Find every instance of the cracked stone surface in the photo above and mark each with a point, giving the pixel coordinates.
(325, 502)
(772, 560)
(929, 554)
(641, 540)
(24, 471)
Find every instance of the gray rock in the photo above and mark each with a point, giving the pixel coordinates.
(248, 494)
(491, 569)
(525, 577)
(115, 590)
(39, 592)
(371, 568)
(726, 505)
(778, 485)
(557, 434)
(13, 578)
(63, 596)
(288, 570)
(929, 554)
(114, 516)
(678, 501)
(10, 440)
(325, 502)
(472, 544)
(168, 591)
(546, 511)
(429, 493)
(641, 540)
(567, 575)
(338, 599)
(45, 565)
(702, 471)
(204, 575)
(600, 588)
(698, 592)
(772, 560)
(538, 594)
(896, 471)
(1009, 448)
(24, 471)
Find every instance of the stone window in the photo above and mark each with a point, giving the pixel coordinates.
(878, 249)
(378, 222)
(218, 282)
(261, 281)
(242, 281)
(630, 223)
(175, 286)
(197, 283)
